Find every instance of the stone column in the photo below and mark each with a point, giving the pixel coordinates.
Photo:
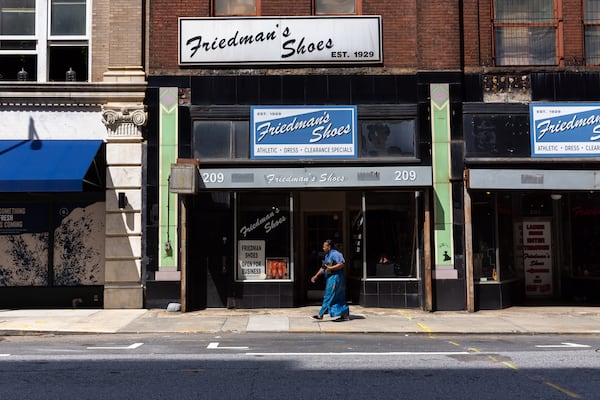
(123, 286)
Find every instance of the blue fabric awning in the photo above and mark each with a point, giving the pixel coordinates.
(45, 165)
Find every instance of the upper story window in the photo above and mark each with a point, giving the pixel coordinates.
(235, 7)
(44, 40)
(345, 7)
(526, 32)
(591, 20)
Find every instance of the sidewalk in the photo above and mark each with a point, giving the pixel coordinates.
(514, 320)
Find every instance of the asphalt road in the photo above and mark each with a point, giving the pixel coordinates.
(299, 366)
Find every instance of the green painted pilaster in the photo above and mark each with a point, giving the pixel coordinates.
(441, 164)
(168, 215)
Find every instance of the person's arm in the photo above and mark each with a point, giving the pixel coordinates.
(316, 276)
(339, 264)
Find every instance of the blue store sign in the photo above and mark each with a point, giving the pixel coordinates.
(302, 132)
(559, 130)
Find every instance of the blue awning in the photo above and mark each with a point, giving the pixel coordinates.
(45, 165)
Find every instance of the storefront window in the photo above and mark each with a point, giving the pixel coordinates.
(221, 140)
(387, 138)
(23, 244)
(585, 234)
(391, 230)
(263, 237)
(483, 210)
(510, 234)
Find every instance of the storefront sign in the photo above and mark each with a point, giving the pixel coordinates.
(487, 178)
(298, 178)
(251, 260)
(537, 257)
(559, 130)
(280, 40)
(303, 132)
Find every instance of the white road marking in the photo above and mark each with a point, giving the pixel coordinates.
(215, 345)
(357, 353)
(4, 355)
(562, 345)
(130, 347)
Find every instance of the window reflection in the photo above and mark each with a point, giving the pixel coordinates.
(387, 138)
(335, 6)
(235, 7)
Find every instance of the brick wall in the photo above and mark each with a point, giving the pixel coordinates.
(116, 35)
(100, 38)
(439, 34)
(405, 48)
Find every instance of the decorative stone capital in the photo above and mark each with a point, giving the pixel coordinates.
(124, 121)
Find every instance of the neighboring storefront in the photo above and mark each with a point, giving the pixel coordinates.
(52, 207)
(531, 175)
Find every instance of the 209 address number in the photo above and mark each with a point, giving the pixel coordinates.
(405, 175)
(213, 177)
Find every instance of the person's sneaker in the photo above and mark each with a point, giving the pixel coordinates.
(317, 317)
(342, 318)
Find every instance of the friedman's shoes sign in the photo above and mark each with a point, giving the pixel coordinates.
(303, 132)
(280, 40)
(559, 129)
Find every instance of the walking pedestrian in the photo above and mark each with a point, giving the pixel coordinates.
(334, 299)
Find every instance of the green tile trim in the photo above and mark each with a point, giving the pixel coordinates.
(167, 202)
(441, 164)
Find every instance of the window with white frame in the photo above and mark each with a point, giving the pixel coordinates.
(526, 32)
(591, 20)
(44, 40)
(235, 7)
(341, 7)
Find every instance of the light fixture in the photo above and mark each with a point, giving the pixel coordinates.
(556, 196)
(122, 200)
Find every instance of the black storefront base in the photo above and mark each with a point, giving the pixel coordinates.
(496, 296)
(158, 294)
(449, 295)
(52, 297)
(390, 294)
(582, 290)
(262, 295)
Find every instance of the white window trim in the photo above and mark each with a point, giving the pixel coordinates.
(43, 38)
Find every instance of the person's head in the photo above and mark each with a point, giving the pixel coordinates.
(327, 245)
(378, 134)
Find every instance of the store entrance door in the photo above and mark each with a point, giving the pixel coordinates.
(318, 227)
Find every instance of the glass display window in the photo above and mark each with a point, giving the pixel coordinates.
(392, 138)
(391, 235)
(263, 231)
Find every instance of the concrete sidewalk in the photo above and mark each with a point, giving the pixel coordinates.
(514, 320)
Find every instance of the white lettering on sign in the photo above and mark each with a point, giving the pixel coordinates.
(287, 40)
(269, 222)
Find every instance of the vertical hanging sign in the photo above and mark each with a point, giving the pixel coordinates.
(537, 257)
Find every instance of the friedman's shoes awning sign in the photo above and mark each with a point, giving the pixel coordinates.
(303, 132)
(565, 130)
(280, 40)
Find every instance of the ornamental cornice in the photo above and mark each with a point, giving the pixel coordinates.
(70, 94)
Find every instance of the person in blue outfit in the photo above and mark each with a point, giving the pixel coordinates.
(334, 299)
